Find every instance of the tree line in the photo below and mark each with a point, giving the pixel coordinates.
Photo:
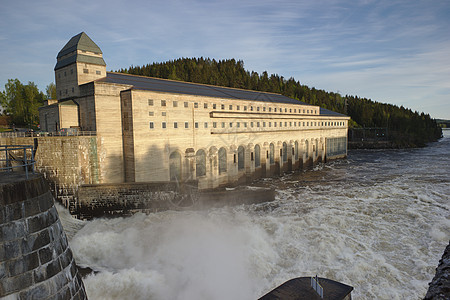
(407, 128)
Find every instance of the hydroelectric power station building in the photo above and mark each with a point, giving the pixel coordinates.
(158, 130)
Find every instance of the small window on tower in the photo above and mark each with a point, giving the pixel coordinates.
(98, 72)
(85, 71)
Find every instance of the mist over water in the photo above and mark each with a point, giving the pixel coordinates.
(378, 221)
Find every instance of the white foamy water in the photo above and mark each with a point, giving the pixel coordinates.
(378, 221)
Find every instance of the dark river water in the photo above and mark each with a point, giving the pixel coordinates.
(378, 221)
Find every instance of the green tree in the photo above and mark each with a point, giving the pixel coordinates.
(50, 91)
(21, 102)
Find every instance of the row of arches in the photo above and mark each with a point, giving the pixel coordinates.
(221, 160)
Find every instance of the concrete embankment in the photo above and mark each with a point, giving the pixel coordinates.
(127, 198)
(439, 288)
(35, 259)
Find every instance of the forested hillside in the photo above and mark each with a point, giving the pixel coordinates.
(406, 128)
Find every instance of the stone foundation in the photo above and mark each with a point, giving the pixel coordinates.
(35, 259)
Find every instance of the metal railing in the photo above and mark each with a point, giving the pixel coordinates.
(14, 134)
(11, 159)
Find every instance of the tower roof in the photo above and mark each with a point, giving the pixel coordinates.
(79, 42)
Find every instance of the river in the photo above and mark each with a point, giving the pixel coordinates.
(378, 221)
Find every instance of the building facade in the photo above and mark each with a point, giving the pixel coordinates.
(157, 130)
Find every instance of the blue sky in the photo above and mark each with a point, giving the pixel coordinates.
(389, 51)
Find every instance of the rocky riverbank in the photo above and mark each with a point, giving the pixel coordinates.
(440, 285)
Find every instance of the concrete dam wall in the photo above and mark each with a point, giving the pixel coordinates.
(35, 259)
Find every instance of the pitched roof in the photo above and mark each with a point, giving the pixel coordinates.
(79, 58)
(181, 87)
(79, 42)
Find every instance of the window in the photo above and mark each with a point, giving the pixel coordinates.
(290, 110)
(195, 105)
(223, 124)
(175, 166)
(257, 109)
(241, 158)
(245, 124)
(175, 103)
(85, 71)
(200, 165)
(245, 108)
(285, 124)
(270, 124)
(73, 90)
(151, 114)
(251, 108)
(231, 107)
(163, 114)
(281, 124)
(222, 160)
(285, 110)
(257, 124)
(251, 124)
(270, 109)
(163, 124)
(222, 106)
(237, 107)
(231, 124)
(98, 72)
(205, 105)
(284, 152)
(163, 102)
(272, 153)
(290, 124)
(275, 109)
(196, 124)
(264, 109)
(257, 156)
(186, 104)
(206, 125)
(274, 124)
(238, 124)
(152, 125)
(150, 102)
(214, 124)
(175, 125)
(264, 124)
(186, 124)
(214, 106)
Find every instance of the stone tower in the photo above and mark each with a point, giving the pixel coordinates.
(78, 62)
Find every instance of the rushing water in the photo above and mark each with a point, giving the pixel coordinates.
(378, 221)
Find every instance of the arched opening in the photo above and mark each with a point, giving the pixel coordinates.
(222, 160)
(241, 158)
(285, 153)
(257, 156)
(307, 148)
(272, 153)
(296, 150)
(200, 164)
(175, 166)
